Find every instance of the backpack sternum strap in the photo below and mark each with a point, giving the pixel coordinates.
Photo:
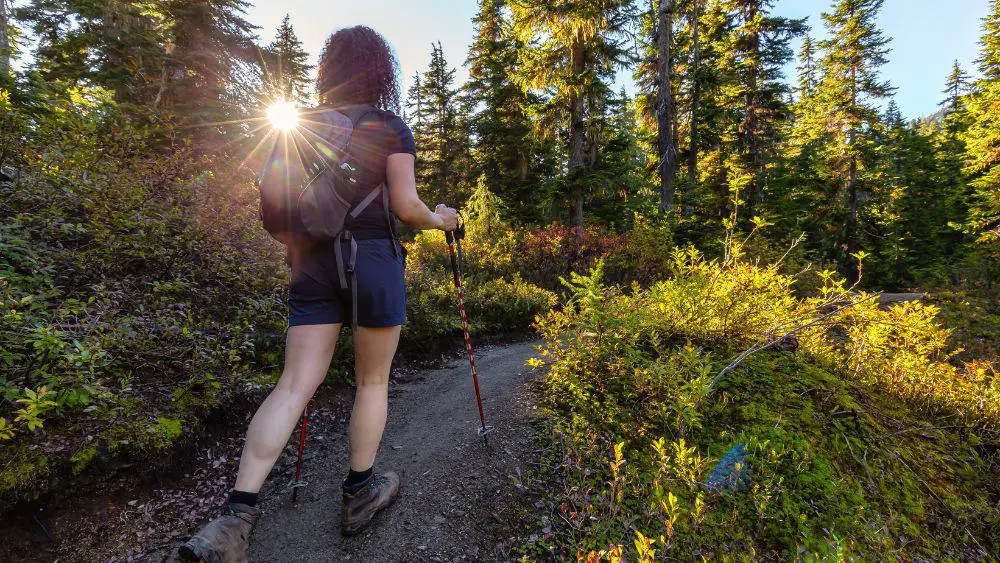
(364, 203)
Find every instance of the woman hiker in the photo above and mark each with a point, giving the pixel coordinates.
(357, 75)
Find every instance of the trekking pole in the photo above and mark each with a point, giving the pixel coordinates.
(454, 240)
(302, 447)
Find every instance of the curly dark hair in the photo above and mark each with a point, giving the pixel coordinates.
(358, 66)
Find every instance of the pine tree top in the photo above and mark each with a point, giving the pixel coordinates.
(989, 54)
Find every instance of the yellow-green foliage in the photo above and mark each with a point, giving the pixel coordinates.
(496, 297)
(865, 443)
(905, 350)
(129, 268)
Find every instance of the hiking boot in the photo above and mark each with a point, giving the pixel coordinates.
(223, 540)
(378, 492)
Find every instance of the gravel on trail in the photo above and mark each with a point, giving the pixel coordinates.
(460, 497)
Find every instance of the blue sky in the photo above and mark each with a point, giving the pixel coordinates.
(927, 34)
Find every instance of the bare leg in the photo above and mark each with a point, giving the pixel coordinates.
(308, 352)
(375, 348)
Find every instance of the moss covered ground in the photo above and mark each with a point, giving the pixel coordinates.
(881, 459)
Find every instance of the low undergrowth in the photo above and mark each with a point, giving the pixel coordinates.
(866, 437)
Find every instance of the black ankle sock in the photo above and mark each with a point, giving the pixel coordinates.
(243, 497)
(355, 479)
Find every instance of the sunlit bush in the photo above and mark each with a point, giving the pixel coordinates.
(648, 388)
(497, 298)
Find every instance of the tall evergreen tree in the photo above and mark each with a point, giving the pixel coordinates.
(703, 109)
(647, 81)
(955, 90)
(413, 108)
(504, 143)
(287, 70)
(666, 116)
(116, 44)
(436, 119)
(805, 179)
(983, 139)
(807, 72)
(917, 220)
(570, 48)
(847, 95)
(212, 73)
(695, 78)
(6, 44)
(955, 122)
(758, 49)
(614, 160)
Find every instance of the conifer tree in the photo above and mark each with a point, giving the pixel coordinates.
(413, 108)
(436, 119)
(570, 48)
(648, 82)
(288, 71)
(703, 110)
(614, 160)
(505, 147)
(666, 125)
(413, 114)
(211, 76)
(695, 78)
(758, 48)
(116, 44)
(955, 90)
(916, 220)
(806, 68)
(847, 94)
(955, 121)
(983, 139)
(6, 46)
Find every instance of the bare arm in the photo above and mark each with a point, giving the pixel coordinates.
(406, 203)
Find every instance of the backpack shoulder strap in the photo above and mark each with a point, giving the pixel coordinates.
(357, 113)
(378, 190)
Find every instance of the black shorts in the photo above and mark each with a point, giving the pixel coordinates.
(314, 292)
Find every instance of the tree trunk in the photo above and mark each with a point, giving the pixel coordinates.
(522, 166)
(852, 174)
(667, 141)
(4, 40)
(751, 125)
(695, 98)
(852, 203)
(576, 131)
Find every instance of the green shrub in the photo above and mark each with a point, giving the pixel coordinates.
(497, 298)
(134, 282)
(862, 444)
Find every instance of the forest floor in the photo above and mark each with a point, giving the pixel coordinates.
(461, 499)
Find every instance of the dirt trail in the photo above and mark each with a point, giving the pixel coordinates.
(457, 493)
(460, 498)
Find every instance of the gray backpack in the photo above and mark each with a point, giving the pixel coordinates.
(309, 184)
(309, 187)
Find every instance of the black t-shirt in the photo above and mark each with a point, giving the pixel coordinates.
(377, 135)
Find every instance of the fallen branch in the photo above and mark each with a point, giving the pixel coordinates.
(768, 343)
